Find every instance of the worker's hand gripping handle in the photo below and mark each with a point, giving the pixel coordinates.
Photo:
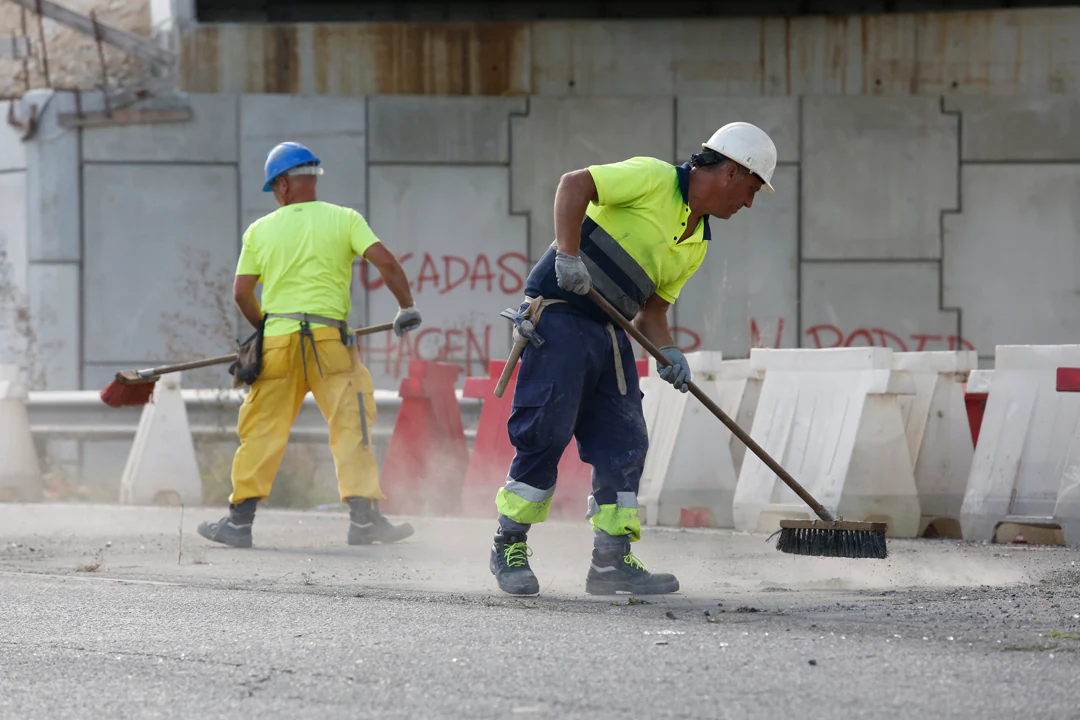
(713, 407)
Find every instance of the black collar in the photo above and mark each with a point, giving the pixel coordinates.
(683, 173)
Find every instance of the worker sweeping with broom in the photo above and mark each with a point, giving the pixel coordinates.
(635, 232)
(303, 253)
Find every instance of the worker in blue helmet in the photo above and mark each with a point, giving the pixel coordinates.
(303, 255)
(290, 156)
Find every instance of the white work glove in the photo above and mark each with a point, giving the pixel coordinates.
(407, 319)
(678, 372)
(571, 273)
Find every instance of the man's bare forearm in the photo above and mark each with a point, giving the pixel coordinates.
(572, 198)
(398, 284)
(654, 326)
(250, 309)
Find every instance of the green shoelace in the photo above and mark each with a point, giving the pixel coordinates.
(517, 554)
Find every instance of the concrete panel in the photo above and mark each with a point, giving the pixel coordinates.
(878, 171)
(441, 129)
(158, 272)
(332, 127)
(561, 135)
(209, 137)
(465, 256)
(13, 226)
(13, 265)
(744, 294)
(648, 58)
(54, 308)
(892, 305)
(52, 194)
(1018, 128)
(12, 149)
(699, 117)
(1011, 257)
(102, 466)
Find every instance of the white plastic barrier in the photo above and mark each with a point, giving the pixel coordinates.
(979, 382)
(690, 464)
(20, 474)
(162, 466)
(739, 378)
(832, 418)
(938, 433)
(1026, 468)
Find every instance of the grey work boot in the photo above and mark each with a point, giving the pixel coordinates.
(367, 525)
(510, 564)
(235, 528)
(621, 571)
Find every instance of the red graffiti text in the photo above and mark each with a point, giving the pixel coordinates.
(504, 275)
(467, 347)
(829, 336)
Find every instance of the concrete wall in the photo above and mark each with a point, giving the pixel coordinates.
(13, 239)
(926, 205)
(911, 223)
(916, 216)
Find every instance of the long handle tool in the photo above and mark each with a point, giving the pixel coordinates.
(135, 387)
(827, 537)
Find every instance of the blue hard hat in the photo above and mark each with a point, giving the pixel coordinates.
(285, 157)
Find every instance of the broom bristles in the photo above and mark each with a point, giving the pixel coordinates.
(832, 542)
(119, 394)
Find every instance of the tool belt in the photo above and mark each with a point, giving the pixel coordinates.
(525, 322)
(248, 365)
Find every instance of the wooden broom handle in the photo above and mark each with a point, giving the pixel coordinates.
(713, 408)
(222, 359)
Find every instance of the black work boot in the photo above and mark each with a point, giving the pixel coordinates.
(367, 525)
(510, 565)
(620, 571)
(235, 528)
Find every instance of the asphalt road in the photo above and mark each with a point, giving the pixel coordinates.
(112, 612)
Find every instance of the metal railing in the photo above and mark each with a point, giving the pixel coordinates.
(212, 414)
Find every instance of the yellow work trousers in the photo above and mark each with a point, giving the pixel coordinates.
(340, 384)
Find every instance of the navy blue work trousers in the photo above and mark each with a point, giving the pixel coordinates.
(567, 389)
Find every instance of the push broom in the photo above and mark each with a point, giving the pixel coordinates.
(827, 537)
(132, 388)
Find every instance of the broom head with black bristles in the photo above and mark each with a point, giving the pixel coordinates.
(833, 538)
(131, 388)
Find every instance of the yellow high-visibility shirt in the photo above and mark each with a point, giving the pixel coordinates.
(303, 254)
(644, 206)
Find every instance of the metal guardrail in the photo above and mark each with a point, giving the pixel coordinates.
(80, 415)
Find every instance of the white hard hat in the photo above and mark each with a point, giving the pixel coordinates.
(748, 145)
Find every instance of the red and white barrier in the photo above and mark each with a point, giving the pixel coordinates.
(832, 418)
(1026, 468)
(976, 392)
(161, 466)
(425, 465)
(690, 472)
(20, 474)
(938, 433)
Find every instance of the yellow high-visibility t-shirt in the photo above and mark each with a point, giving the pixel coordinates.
(303, 254)
(644, 204)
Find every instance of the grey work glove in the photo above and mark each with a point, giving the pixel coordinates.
(407, 319)
(571, 273)
(678, 372)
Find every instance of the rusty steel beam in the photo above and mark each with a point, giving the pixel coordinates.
(128, 116)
